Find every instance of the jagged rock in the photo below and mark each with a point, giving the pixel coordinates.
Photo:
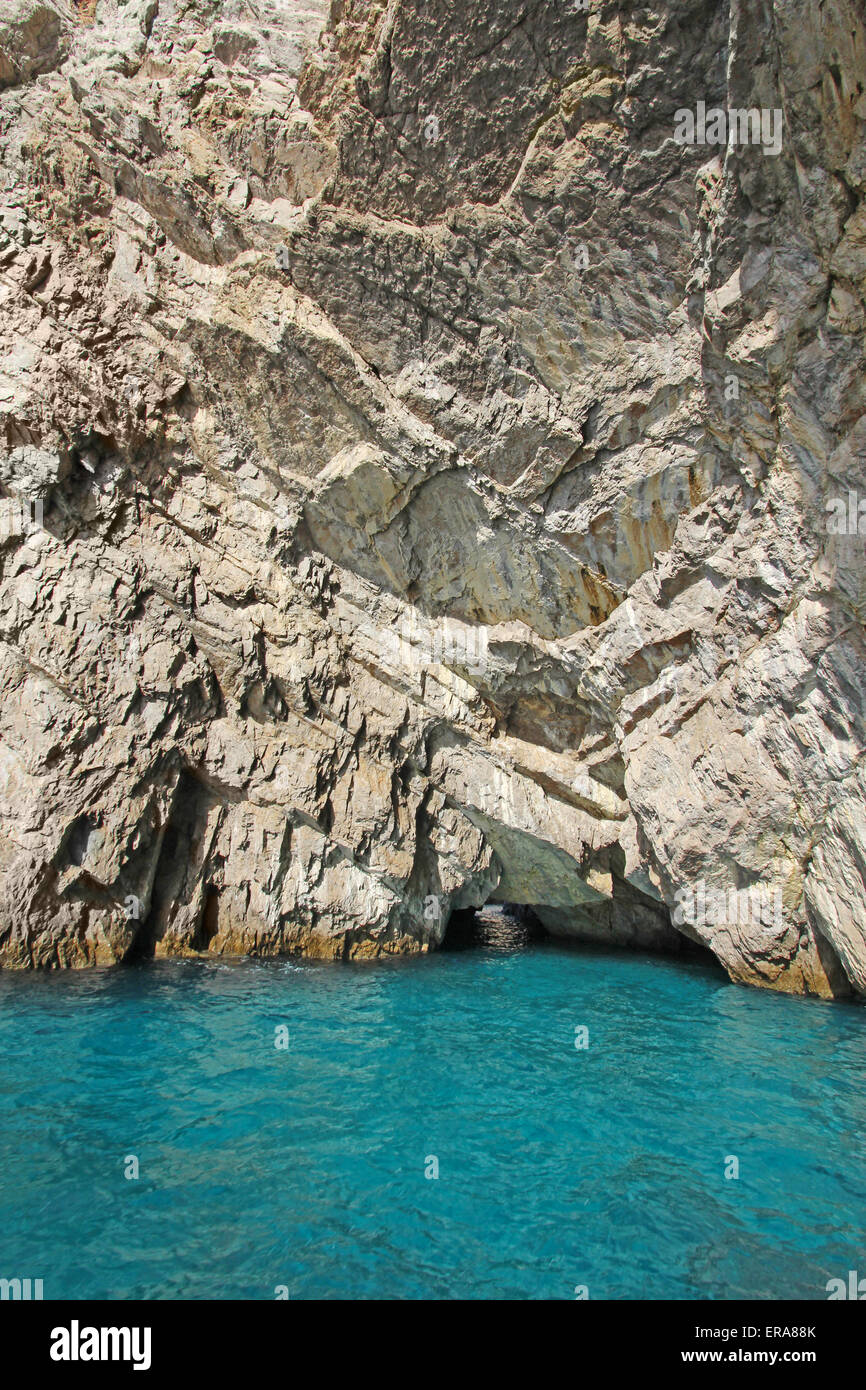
(435, 464)
(34, 38)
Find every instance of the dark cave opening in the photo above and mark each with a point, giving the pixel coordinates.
(495, 926)
(512, 927)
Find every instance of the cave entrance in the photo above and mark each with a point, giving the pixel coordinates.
(642, 928)
(504, 927)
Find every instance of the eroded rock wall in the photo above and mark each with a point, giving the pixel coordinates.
(435, 463)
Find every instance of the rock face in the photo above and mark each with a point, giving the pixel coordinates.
(428, 481)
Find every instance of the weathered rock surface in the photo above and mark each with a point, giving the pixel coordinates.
(434, 461)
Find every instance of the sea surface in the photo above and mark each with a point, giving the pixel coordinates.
(287, 1119)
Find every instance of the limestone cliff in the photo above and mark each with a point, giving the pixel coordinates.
(428, 479)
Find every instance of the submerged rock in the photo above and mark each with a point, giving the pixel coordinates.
(431, 478)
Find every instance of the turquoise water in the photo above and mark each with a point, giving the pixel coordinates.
(305, 1167)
